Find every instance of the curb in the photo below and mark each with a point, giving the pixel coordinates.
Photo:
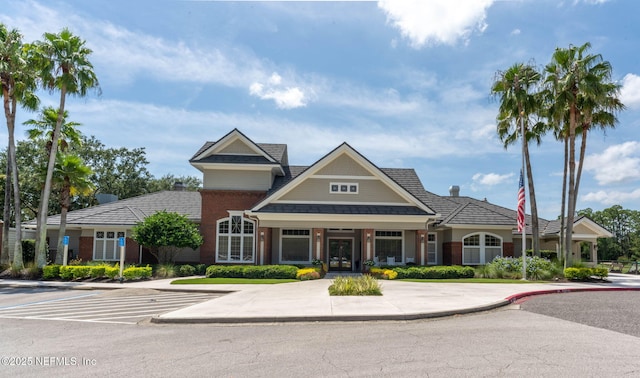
(42, 285)
(516, 297)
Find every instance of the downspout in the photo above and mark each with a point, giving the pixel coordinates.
(260, 243)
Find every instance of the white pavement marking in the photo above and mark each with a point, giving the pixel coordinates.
(105, 309)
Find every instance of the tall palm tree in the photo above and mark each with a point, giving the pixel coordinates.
(517, 88)
(17, 81)
(582, 94)
(44, 126)
(63, 62)
(71, 176)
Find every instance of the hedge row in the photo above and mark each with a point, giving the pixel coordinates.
(435, 272)
(584, 273)
(252, 271)
(75, 272)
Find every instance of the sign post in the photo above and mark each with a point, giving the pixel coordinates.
(121, 244)
(65, 250)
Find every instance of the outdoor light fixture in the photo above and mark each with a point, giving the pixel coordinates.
(318, 236)
(261, 235)
(368, 237)
(422, 238)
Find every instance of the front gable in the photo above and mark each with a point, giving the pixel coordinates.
(343, 178)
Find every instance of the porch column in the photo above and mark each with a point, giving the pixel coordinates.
(318, 243)
(367, 235)
(421, 237)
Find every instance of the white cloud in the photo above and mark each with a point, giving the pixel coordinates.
(436, 22)
(617, 164)
(285, 98)
(515, 32)
(611, 197)
(630, 92)
(489, 179)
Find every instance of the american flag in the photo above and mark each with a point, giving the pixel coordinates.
(521, 221)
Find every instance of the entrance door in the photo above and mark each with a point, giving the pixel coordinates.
(340, 254)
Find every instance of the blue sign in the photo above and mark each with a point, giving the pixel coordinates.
(121, 241)
(65, 240)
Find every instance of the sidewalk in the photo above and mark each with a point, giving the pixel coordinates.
(310, 300)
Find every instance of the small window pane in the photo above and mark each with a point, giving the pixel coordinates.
(100, 235)
(121, 234)
(353, 188)
(491, 241)
(223, 248)
(236, 224)
(248, 227)
(334, 188)
(343, 188)
(223, 227)
(111, 235)
(472, 240)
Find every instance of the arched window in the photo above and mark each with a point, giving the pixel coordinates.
(480, 248)
(236, 240)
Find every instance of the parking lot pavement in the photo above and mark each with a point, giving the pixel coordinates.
(123, 306)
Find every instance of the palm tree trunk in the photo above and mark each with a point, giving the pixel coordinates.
(41, 238)
(571, 205)
(63, 223)
(563, 250)
(5, 254)
(583, 148)
(17, 254)
(535, 232)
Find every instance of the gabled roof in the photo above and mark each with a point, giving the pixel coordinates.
(264, 153)
(130, 211)
(297, 175)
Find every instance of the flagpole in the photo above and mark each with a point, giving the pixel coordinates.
(524, 180)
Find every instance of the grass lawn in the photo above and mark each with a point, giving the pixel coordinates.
(474, 280)
(234, 281)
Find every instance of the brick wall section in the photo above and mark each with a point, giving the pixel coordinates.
(452, 253)
(507, 249)
(215, 206)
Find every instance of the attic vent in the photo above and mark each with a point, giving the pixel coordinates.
(179, 186)
(454, 191)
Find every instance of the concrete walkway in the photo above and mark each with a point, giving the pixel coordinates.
(310, 300)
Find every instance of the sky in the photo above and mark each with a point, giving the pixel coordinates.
(405, 82)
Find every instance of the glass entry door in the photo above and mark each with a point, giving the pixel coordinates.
(340, 254)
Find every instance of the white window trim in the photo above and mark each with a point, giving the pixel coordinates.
(389, 238)
(308, 237)
(241, 235)
(115, 241)
(482, 247)
(342, 184)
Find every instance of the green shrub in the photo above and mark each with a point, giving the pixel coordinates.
(165, 271)
(583, 273)
(50, 272)
(201, 269)
(80, 272)
(112, 271)
(252, 271)
(137, 272)
(29, 250)
(97, 271)
(187, 270)
(363, 285)
(66, 272)
(509, 267)
(435, 272)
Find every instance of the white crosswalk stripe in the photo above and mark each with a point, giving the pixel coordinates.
(106, 307)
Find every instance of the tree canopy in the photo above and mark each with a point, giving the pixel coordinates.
(165, 233)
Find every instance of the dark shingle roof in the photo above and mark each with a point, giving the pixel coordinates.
(234, 159)
(341, 209)
(133, 210)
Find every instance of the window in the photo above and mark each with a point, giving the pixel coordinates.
(432, 249)
(343, 188)
(105, 245)
(480, 248)
(389, 246)
(295, 246)
(236, 239)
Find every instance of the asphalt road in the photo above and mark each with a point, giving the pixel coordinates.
(613, 310)
(508, 342)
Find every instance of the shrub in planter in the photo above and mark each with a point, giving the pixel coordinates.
(97, 271)
(80, 272)
(307, 274)
(201, 269)
(66, 272)
(165, 271)
(112, 271)
(137, 272)
(50, 272)
(187, 270)
(584, 273)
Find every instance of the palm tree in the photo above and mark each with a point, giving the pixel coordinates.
(45, 126)
(71, 176)
(582, 94)
(17, 81)
(63, 63)
(519, 101)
